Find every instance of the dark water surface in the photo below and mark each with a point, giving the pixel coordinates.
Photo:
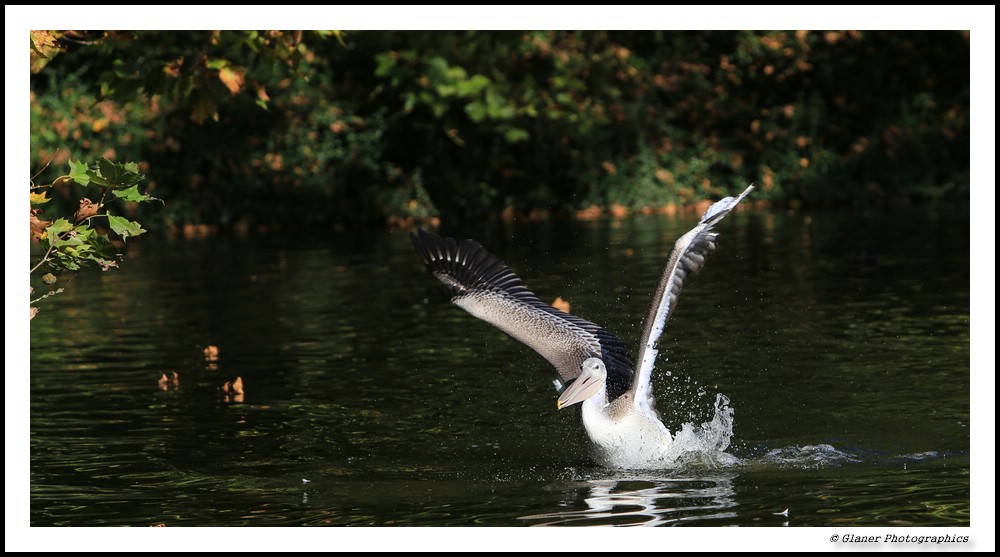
(841, 339)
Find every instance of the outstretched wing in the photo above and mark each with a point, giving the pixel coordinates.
(688, 257)
(484, 286)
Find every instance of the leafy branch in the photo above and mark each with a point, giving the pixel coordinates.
(76, 243)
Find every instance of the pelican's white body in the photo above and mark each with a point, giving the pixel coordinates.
(632, 439)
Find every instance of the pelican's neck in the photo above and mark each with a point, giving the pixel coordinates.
(596, 414)
(598, 403)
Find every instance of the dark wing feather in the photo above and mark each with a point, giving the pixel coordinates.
(481, 284)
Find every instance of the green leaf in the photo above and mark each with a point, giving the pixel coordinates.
(107, 170)
(115, 175)
(84, 231)
(409, 101)
(473, 85)
(39, 198)
(513, 135)
(133, 194)
(68, 241)
(456, 73)
(79, 172)
(124, 227)
(384, 64)
(58, 227)
(476, 111)
(95, 177)
(69, 264)
(437, 67)
(446, 90)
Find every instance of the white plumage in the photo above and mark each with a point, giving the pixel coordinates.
(617, 404)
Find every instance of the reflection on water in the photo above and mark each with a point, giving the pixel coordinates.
(642, 502)
(810, 485)
(841, 340)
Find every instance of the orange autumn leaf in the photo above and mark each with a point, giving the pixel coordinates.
(168, 382)
(173, 69)
(211, 353)
(232, 391)
(38, 225)
(87, 209)
(233, 78)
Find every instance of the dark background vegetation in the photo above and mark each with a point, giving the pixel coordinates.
(241, 128)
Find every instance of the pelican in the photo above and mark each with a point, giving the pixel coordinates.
(617, 405)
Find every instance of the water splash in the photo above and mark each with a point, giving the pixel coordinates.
(808, 456)
(692, 446)
(705, 444)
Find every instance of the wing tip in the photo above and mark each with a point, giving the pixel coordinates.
(722, 207)
(468, 263)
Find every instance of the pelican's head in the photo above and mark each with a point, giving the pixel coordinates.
(591, 381)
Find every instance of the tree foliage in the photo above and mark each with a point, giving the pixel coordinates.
(293, 127)
(80, 241)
